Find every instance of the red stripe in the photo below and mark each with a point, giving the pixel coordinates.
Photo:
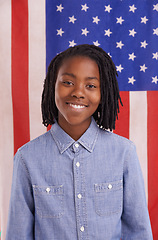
(152, 98)
(20, 72)
(49, 127)
(122, 124)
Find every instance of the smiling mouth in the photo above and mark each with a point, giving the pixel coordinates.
(77, 106)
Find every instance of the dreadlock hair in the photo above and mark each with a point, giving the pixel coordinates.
(108, 109)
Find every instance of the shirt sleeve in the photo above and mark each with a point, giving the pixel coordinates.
(21, 211)
(135, 217)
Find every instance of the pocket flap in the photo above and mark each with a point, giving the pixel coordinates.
(108, 186)
(50, 190)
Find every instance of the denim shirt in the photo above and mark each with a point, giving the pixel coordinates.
(90, 189)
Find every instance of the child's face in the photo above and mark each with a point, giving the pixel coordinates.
(77, 91)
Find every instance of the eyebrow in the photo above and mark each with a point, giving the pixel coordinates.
(72, 75)
(92, 78)
(69, 74)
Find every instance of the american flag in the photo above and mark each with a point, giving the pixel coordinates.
(33, 32)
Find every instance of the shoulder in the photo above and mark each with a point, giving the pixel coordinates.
(36, 151)
(114, 139)
(38, 143)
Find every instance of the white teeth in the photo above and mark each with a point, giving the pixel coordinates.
(76, 106)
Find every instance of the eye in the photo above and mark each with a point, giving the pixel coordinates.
(67, 83)
(91, 86)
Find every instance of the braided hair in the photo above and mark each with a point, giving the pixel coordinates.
(108, 109)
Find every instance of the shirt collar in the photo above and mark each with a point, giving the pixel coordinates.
(64, 141)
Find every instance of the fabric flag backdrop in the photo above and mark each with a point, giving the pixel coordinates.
(33, 32)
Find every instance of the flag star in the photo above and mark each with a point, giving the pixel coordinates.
(108, 8)
(119, 68)
(155, 55)
(132, 8)
(132, 32)
(144, 19)
(72, 43)
(131, 80)
(60, 32)
(107, 33)
(84, 7)
(154, 79)
(84, 31)
(60, 8)
(144, 44)
(109, 55)
(119, 44)
(96, 43)
(96, 19)
(120, 20)
(131, 56)
(155, 7)
(72, 19)
(155, 31)
(143, 68)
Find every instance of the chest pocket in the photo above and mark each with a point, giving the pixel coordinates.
(49, 201)
(108, 198)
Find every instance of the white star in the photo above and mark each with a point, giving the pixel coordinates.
(72, 19)
(131, 56)
(84, 7)
(107, 33)
(119, 68)
(131, 80)
(96, 43)
(108, 8)
(60, 8)
(119, 44)
(60, 32)
(84, 31)
(155, 31)
(72, 43)
(154, 79)
(96, 19)
(109, 55)
(143, 68)
(132, 8)
(132, 32)
(144, 19)
(120, 20)
(155, 7)
(144, 44)
(155, 55)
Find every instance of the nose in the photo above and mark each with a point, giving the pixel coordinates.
(78, 92)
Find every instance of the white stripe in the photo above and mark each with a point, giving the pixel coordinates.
(6, 119)
(138, 129)
(37, 56)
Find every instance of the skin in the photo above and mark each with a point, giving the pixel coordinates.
(77, 94)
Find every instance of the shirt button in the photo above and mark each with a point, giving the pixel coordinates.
(76, 145)
(79, 196)
(109, 186)
(82, 229)
(77, 164)
(47, 189)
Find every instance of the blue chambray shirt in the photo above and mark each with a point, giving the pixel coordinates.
(88, 189)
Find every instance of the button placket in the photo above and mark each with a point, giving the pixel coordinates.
(76, 147)
(82, 229)
(79, 196)
(79, 186)
(78, 164)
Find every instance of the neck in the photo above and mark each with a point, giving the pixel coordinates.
(75, 131)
